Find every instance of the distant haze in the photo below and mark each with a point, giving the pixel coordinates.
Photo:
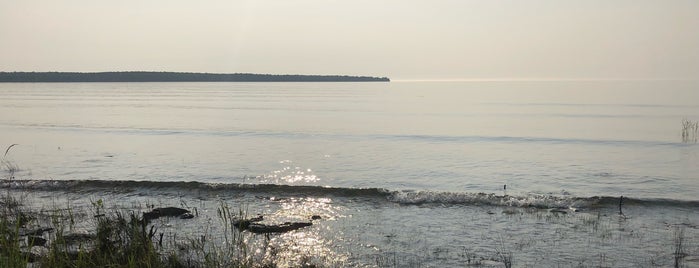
(402, 39)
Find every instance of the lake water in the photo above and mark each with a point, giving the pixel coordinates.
(432, 159)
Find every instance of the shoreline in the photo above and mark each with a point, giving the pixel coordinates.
(347, 231)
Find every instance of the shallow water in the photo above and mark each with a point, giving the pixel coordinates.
(427, 149)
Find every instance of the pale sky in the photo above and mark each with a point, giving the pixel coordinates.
(401, 39)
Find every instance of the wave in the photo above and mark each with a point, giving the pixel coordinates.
(189, 186)
(403, 197)
(331, 136)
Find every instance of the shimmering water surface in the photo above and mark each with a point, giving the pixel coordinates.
(435, 156)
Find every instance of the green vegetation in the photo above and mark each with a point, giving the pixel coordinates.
(117, 240)
(176, 77)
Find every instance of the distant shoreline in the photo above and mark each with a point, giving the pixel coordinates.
(77, 77)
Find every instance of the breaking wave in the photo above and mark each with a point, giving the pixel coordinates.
(403, 197)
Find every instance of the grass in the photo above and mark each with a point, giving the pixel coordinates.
(119, 239)
(122, 238)
(10, 222)
(504, 255)
(690, 131)
(679, 247)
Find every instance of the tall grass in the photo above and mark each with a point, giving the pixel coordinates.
(11, 219)
(679, 247)
(504, 255)
(9, 167)
(120, 239)
(234, 250)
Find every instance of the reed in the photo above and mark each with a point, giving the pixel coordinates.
(504, 255)
(11, 219)
(679, 251)
(119, 239)
(690, 131)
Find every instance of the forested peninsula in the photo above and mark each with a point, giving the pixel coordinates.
(39, 77)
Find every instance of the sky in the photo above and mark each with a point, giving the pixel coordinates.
(401, 39)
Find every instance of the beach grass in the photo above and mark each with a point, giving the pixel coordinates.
(119, 239)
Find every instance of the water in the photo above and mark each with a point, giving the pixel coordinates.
(433, 156)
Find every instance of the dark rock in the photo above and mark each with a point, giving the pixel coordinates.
(36, 241)
(315, 217)
(31, 257)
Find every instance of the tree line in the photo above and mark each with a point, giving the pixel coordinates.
(176, 77)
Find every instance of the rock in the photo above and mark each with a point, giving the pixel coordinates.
(315, 217)
(35, 254)
(36, 241)
(31, 257)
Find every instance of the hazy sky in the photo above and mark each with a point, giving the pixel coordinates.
(402, 39)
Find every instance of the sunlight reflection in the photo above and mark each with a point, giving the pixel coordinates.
(307, 207)
(308, 246)
(304, 249)
(289, 174)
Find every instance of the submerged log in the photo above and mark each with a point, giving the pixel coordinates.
(277, 228)
(36, 232)
(243, 224)
(166, 212)
(253, 226)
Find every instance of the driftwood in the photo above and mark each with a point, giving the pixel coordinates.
(254, 227)
(167, 212)
(243, 224)
(36, 232)
(277, 228)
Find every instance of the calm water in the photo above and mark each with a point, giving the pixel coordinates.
(432, 144)
(577, 138)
